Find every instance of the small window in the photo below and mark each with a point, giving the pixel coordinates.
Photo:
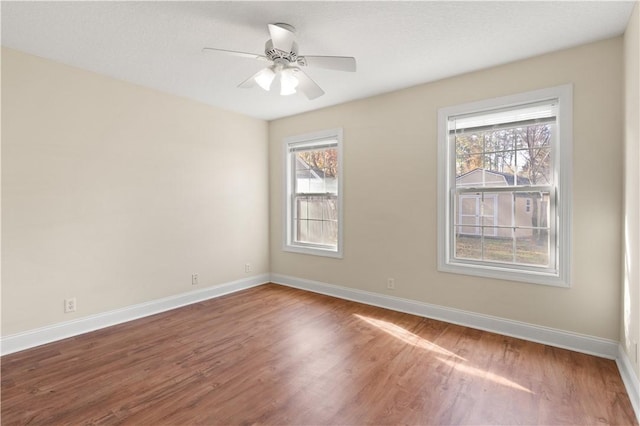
(504, 176)
(313, 222)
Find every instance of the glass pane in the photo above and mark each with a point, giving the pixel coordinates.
(531, 210)
(534, 136)
(315, 232)
(468, 205)
(471, 228)
(494, 142)
(533, 249)
(317, 171)
(497, 249)
(302, 209)
(467, 247)
(315, 208)
(488, 205)
(488, 228)
(302, 230)
(468, 214)
(469, 143)
(317, 220)
(466, 164)
(330, 209)
(534, 167)
(330, 233)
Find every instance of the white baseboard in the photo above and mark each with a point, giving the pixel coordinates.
(548, 336)
(630, 379)
(29, 339)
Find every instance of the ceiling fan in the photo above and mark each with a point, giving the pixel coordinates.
(284, 72)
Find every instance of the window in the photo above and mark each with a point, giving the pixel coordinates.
(504, 187)
(313, 220)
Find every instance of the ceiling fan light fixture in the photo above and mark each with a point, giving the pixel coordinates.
(265, 78)
(288, 82)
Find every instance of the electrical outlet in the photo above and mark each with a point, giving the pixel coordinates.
(70, 305)
(194, 279)
(247, 268)
(391, 283)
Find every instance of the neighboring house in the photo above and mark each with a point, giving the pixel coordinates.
(499, 212)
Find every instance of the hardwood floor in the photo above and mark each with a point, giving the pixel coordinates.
(276, 355)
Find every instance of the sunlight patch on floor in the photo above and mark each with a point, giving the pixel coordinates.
(487, 375)
(407, 336)
(455, 361)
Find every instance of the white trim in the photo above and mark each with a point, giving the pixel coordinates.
(549, 336)
(40, 336)
(562, 157)
(287, 244)
(630, 379)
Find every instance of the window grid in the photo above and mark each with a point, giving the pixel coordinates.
(513, 229)
(313, 180)
(515, 139)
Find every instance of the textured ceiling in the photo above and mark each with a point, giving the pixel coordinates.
(397, 44)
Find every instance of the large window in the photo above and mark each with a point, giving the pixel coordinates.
(504, 187)
(313, 222)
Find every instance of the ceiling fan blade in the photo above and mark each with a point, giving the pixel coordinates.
(281, 37)
(234, 53)
(308, 86)
(339, 63)
(263, 78)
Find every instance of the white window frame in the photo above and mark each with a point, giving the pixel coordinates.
(561, 151)
(310, 139)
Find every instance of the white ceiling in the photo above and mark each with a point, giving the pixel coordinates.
(397, 44)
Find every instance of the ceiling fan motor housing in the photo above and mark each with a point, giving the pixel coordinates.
(273, 54)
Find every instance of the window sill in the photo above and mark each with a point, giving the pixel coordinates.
(482, 271)
(314, 251)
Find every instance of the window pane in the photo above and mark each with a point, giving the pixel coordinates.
(467, 246)
(330, 232)
(302, 230)
(315, 232)
(468, 163)
(317, 220)
(468, 214)
(534, 166)
(534, 136)
(532, 210)
(498, 249)
(317, 171)
(532, 251)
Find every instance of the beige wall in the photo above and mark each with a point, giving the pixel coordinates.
(630, 326)
(115, 194)
(390, 193)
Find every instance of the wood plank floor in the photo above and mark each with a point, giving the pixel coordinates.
(276, 355)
